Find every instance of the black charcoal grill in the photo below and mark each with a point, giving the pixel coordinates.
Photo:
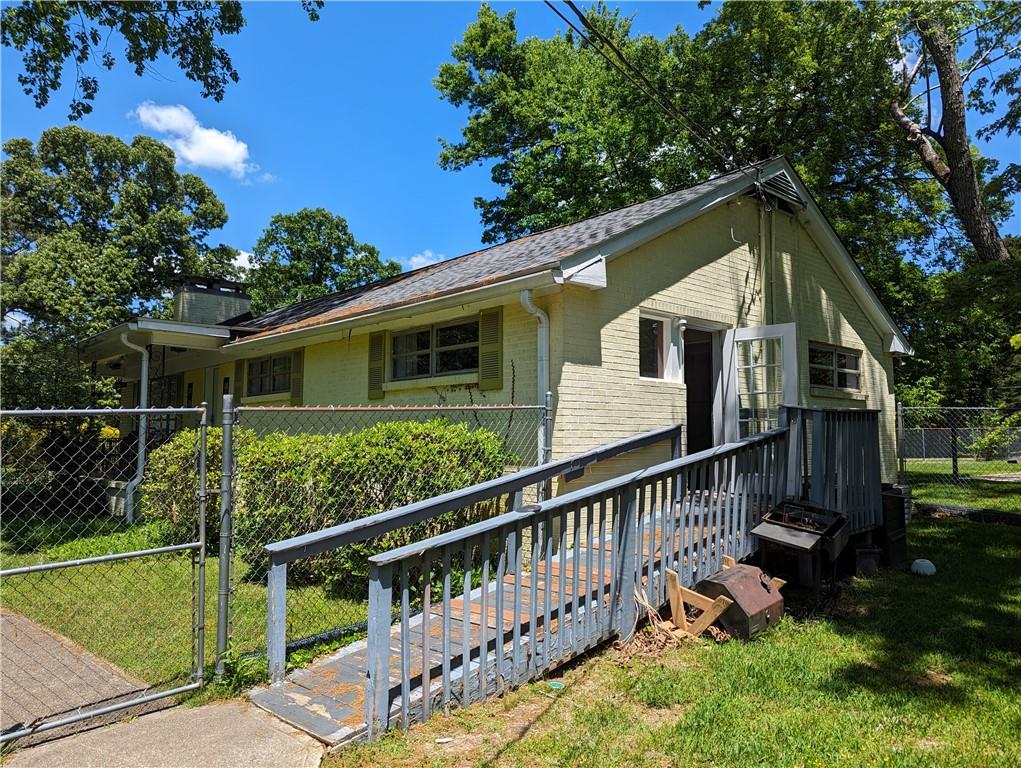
(807, 531)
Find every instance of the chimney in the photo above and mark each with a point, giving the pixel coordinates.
(210, 300)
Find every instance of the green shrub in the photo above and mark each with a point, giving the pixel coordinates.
(1001, 433)
(171, 480)
(287, 485)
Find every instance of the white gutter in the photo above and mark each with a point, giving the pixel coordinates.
(542, 364)
(248, 345)
(143, 402)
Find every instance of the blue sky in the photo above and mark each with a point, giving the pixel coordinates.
(340, 113)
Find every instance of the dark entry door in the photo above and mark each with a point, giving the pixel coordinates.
(698, 379)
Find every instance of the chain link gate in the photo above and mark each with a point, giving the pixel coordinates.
(102, 562)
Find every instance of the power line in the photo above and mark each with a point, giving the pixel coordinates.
(626, 68)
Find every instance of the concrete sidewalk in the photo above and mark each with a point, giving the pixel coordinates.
(220, 735)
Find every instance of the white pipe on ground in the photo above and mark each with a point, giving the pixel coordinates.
(143, 402)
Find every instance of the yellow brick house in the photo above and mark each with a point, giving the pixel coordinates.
(710, 306)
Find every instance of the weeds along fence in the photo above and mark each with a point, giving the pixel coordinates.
(87, 577)
(961, 456)
(303, 469)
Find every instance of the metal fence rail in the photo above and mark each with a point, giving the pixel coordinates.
(102, 605)
(477, 615)
(358, 461)
(967, 457)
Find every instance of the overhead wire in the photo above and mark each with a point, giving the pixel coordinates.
(642, 83)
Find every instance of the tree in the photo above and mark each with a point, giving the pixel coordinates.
(568, 135)
(934, 33)
(51, 35)
(94, 230)
(307, 254)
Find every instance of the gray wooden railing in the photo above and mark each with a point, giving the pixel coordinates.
(281, 553)
(494, 604)
(837, 454)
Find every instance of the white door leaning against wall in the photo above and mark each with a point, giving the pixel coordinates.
(760, 373)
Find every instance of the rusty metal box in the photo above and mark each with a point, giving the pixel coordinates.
(757, 603)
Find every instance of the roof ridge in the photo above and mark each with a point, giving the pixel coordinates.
(447, 262)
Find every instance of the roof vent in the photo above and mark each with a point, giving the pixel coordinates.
(782, 186)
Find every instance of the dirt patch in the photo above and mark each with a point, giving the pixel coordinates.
(932, 679)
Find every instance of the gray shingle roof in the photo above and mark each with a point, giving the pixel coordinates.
(525, 255)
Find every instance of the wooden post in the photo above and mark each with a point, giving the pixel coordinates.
(276, 621)
(377, 684)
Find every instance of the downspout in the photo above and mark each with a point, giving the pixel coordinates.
(143, 402)
(772, 264)
(767, 273)
(543, 395)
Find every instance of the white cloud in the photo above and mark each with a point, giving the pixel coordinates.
(243, 260)
(424, 259)
(196, 145)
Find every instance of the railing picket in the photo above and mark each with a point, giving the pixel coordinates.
(427, 567)
(575, 579)
(484, 623)
(666, 549)
(405, 648)
(445, 642)
(646, 540)
(590, 577)
(533, 595)
(547, 610)
(466, 599)
(500, 639)
(601, 601)
(517, 550)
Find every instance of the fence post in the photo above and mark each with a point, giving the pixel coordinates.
(377, 684)
(627, 575)
(226, 513)
(901, 459)
(202, 495)
(276, 620)
(954, 448)
(546, 431)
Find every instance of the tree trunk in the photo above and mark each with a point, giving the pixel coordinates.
(957, 171)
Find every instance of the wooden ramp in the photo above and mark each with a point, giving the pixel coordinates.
(327, 699)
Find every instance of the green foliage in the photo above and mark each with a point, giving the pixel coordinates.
(94, 230)
(999, 435)
(50, 35)
(568, 136)
(171, 480)
(292, 484)
(307, 254)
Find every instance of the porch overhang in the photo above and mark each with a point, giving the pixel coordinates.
(124, 339)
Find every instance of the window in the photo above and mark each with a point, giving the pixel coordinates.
(269, 375)
(435, 351)
(651, 348)
(834, 368)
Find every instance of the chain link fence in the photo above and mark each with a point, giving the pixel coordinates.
(302, 469)
(104, 579)
(962, 457)
(100, 600)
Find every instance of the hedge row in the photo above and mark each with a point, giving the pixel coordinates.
(287, 485)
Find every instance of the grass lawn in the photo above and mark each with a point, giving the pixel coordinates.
(137, 613)
(902, 671)
(932, 481)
